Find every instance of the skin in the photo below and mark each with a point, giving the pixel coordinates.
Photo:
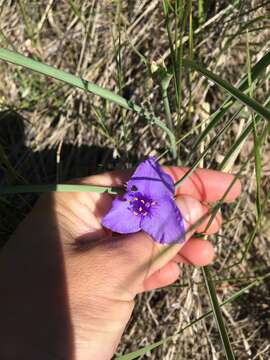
(67, 285)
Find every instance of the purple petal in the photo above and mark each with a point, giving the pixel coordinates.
(150, 180)
(120, 218)
(165, 224)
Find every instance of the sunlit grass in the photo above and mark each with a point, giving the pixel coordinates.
(168, 113)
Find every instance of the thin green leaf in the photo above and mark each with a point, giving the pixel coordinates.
(217, 313)
(256, 71)
(73, 80)
(190, 56)
(200, 11)
(251, 236)
(194, 166)
(76, 11)
(242, 137)
(245, 13)
(257, 148)
(58, 188)
(144, 350)
(233, 91)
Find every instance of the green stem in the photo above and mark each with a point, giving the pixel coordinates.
(59, 188)
(217, 313)
(80, 83)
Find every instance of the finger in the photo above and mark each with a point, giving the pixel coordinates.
(136, 255)
(202, 223)
(163, 277)
(91, 229)
(203, 184)
(209, 226)
(151, 256)
(198, 252)
(95, 207)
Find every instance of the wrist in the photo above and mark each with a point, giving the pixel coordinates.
(98, 328)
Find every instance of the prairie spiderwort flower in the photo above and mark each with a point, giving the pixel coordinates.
(147, 205)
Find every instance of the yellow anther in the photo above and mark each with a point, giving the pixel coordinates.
(135, 199)
(142, 201)
(135, 213)
(140, 209)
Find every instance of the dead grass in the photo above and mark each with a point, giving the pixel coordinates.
(50, 132)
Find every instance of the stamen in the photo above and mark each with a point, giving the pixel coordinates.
(141, 204)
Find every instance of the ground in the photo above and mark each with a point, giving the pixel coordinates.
(51, 132)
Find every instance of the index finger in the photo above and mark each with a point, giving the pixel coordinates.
(205, 184)
(202, 184)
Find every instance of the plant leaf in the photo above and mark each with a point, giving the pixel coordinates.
(21, 60)
(59, 188)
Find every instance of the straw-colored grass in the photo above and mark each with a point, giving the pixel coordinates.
(148, 52)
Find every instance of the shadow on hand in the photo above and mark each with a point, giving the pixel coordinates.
(34, 309)
(19, 165)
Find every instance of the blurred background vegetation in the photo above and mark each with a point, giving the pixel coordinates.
(51, 132)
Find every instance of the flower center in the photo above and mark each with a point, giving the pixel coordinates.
(141, 204)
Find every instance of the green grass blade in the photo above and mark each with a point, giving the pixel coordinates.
(254, 232)
(251, 236)
(166, 9)
(242, 30)
(164, 84)
(257, 149)
(58, 188)
(256, 71)
(257, 156)
(144, 350)
(80, 83)
(76, 11)
(206, 272)
(245, 13)
(211, 287)
(217, 313)
(181, 15)
(200, 11)
(193, 167)
(190, 56)
(21, 60)
(26, 21)
(242, 137)
(8, 169)
(233, 91)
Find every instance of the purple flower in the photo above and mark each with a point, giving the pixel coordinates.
(147, 205)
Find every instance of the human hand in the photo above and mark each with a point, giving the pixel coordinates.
(68, 285)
